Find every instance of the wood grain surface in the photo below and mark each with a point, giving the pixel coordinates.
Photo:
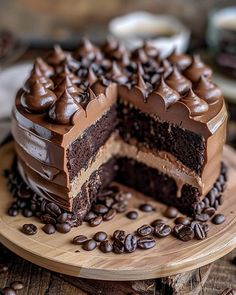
(169, 257)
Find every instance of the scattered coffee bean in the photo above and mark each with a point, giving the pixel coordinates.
(182, 220)
(206, 227)
(53, 209)
(109, 202)
(100, 209)
(17, 285)
(89, 245)
(63, 227)
(119, 235)
(3, 268)
(157, 221)
(146, 207)
(109, 191)
(100, 236)
(49, 229)
(132, 215)
(162, 230)
(203, 217)
(62, 218)
(89, 216)
(79, 240)
(13, 212)
(218, 219)
(118, 247)
(144, 230)
(229, 291)
(210, 211)
(29, 229)
(171, 212)
(146, 243)
(186, 233)
(46, 218)
(106, 246)
(109, 215)
(95, 221)
(27, 213)
(199, 231)
(8, 291)
(130, 243)
(120, 207)
(177, 229)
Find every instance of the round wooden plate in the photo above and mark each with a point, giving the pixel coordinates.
(170, 256)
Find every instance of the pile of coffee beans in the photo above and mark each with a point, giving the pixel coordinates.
(13, 289)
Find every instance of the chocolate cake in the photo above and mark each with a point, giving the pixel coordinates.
(96, 115)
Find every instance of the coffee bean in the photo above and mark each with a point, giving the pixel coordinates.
(62, 218)
(157, 221)
(216, 205)
(199, 231)
(49, 229)
(177, 229)
(95, 221)
(144, 230)
(79, 240)
(221, 199)
(207, 202)
(12, 212)
(100, 209)
(162, 230)
(130, 243)
(106, 246)
(108, 191)
(109, 202)
(29, 229)
(17, 285)
(186, 233)
(119, 235)
(63, 227)
(206, 227)
(120, 207)
(171, 212)
(229, 291)
(132, 215)
(89, 216)
(210, 211)
(27, 213)
(203, 217)
(89, 245)
(212, 196)
(218, 219)
(146, 207)
(8, 291)
(109, 215)
(118, 247)
(46, 218)
(3, 268)
(53, 209)
(100, 236)
(182, 220)
(146, 243)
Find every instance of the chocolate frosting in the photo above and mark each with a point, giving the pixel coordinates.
(55, 57)
(182, 61)
(62, 111)
(197, 69)
(36, 75)
(66, 83)
(150, 50)
(38, 99)
(115, 51)
(44, 67)
(178, 82)
(207, 90)
(196, 105)
(66, 73)
(88, 51)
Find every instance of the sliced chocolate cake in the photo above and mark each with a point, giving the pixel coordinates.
(86, 118)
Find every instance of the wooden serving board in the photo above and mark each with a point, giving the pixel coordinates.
(170, 256)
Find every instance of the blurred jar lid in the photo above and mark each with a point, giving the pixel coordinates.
(163, 31)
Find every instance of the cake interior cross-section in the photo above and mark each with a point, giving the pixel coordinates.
(100, 114)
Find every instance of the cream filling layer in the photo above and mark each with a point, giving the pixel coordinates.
(162, 161)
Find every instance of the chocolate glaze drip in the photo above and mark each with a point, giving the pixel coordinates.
(38, 99)
(62, 111)
(197, 69)
(181, 61)
(196, 105)
(207, 90)
(56, 57)
(178, 82)
(169, 95)
(36, 75)
(44, 67)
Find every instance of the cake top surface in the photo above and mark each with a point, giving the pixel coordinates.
(65, 88)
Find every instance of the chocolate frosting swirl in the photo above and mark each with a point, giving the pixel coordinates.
(72, 64)
(66, 73)
(66, 84)
(88, 51)
(207, 90)
(178, 82)
(38, 99)
(197, 69)
(150, 50)
(36, 75)
(62, 111)
(182, 61)
(117, 75)
(169, 95)
(139, 55)
(56, 56)
(115, 51)
(44, 67)
(196, 105)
